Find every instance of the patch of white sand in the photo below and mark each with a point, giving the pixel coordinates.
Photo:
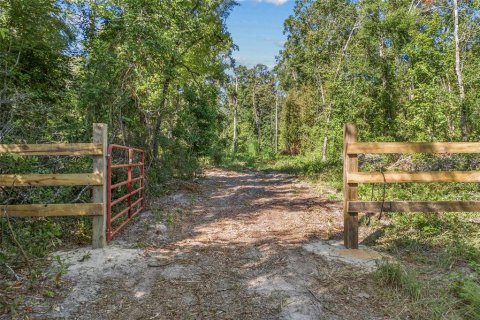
(89, 270)
(333, 250)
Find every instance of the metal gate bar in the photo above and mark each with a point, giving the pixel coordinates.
(111, 231)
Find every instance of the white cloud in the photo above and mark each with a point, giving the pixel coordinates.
(275, 2)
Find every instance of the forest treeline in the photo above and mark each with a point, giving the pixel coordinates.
(152, 70)
(402, 70)
(161, 74)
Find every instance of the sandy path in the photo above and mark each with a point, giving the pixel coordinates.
(238, 245)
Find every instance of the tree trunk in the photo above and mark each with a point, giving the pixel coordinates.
(458, 69)
(276, 123)
(387, 99)
(122, 128)
(325, 137)
(257, 119)
(158, 122)
(92, 21)
(335, 78)
(235, 108)
(381, 54)
(319, 112)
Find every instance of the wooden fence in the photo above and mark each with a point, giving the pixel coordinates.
(351, 179)
(96, 179)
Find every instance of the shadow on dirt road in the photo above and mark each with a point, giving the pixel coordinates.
(233, 245)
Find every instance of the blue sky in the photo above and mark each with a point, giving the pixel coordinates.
(257, 28)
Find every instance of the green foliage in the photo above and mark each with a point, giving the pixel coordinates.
(395, 276)
(154, 72)
(388, 66)
(250, 97)
(67, 64)
(469, 293)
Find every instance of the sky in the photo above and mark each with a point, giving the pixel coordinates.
(257, 28)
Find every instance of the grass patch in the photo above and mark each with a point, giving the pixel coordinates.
(167, 217)
(395, 276)
(468, 291)
(447, 241)
(413, 295)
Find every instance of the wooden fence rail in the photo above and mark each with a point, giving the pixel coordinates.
(72, 149)
(351, 179)
(96, 178)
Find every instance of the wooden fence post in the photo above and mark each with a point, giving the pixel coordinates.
(350, 192)
(100, 135)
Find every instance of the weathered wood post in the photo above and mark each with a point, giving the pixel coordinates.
(350, 192)
(100, 192)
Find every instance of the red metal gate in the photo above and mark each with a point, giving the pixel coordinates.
(128, 203)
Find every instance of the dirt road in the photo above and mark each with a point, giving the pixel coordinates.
(232, 245)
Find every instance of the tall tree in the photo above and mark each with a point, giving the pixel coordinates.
(390, 66)
(252, 93)
(458, 70)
